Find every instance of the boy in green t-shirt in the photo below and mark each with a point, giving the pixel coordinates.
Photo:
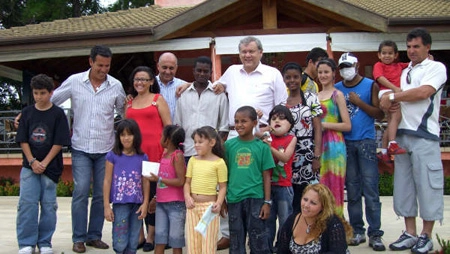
(249, 161)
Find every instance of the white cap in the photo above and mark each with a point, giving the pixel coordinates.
(347, 60)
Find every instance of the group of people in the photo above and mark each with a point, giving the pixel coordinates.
(275, 147)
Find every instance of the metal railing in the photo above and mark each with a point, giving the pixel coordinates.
(8, 132)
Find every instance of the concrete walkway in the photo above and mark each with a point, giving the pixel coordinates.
(62, 243)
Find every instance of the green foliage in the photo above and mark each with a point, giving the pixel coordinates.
(447, 186)
(10, 13)
(127, 4)
(8, 187)
(386, 185)
(445, 245)
(11, 94)
(64, 189)
(23, 12)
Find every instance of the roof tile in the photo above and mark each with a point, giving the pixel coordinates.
(405, 8)
(139, 17)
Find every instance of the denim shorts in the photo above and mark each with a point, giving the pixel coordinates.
(170, 220)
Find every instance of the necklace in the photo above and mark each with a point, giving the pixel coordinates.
(308, 226)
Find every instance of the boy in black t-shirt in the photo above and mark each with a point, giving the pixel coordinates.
(43, 130)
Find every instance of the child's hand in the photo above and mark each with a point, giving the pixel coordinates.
(264, 212)
(224, 209)
(152, 177)
(142, 211)
(109, 215)
(397, 90)
(259, 113)
(38, 167)
(216, 208)
(152, 206)
(189, 202)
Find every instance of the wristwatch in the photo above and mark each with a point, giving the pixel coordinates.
(269, 202)
(391, 97)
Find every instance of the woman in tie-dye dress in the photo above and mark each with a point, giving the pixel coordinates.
(335, 120)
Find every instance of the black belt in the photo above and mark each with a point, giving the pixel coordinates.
(260, 126)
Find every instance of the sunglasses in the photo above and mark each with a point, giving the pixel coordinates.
(408, 77)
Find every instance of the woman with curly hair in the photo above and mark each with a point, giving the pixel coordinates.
(317, 228)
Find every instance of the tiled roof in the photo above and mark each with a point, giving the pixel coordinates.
(405, 8)
(133, 18)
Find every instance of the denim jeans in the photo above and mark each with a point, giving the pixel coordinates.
(84, 167)
(34, 228)
(126, 228)
(362, 180)
(170, 222)
(281, 207)
(244, 218)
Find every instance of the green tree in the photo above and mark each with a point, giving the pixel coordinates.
(11, 94)
(11, 13)
(23, 12)
(127, 4)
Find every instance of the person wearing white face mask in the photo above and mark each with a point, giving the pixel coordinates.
(361, 96)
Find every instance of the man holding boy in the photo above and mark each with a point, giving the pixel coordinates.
(418, 175)
(42, 132)
(95, 96)
(361, 95)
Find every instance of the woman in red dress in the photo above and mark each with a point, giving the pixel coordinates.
(151, 112)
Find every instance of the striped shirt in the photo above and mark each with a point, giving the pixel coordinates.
(194, 111)
(93, 121)
(168, 91)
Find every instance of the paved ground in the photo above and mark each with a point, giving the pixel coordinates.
(391, 224)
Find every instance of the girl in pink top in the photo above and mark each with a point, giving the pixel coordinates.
(170, 208)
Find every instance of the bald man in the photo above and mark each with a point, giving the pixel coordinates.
(168, 83)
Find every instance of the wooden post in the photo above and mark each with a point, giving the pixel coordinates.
(269, 12)
(216, 64)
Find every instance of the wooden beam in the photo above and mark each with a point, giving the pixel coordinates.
(269, 11)
(181, 21)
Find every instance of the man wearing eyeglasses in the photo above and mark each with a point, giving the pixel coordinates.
(418, 176)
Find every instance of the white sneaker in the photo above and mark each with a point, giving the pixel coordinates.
(46, 250)
(423, 245)
(405, 241)
(26, 250)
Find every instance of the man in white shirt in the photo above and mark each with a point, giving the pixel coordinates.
(254, 84)
(418, 175)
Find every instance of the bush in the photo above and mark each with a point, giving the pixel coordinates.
(64, 188)
(386, 185)
(447, 186)
(8, 187)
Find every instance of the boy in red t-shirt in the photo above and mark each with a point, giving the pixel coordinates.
(387, 74)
